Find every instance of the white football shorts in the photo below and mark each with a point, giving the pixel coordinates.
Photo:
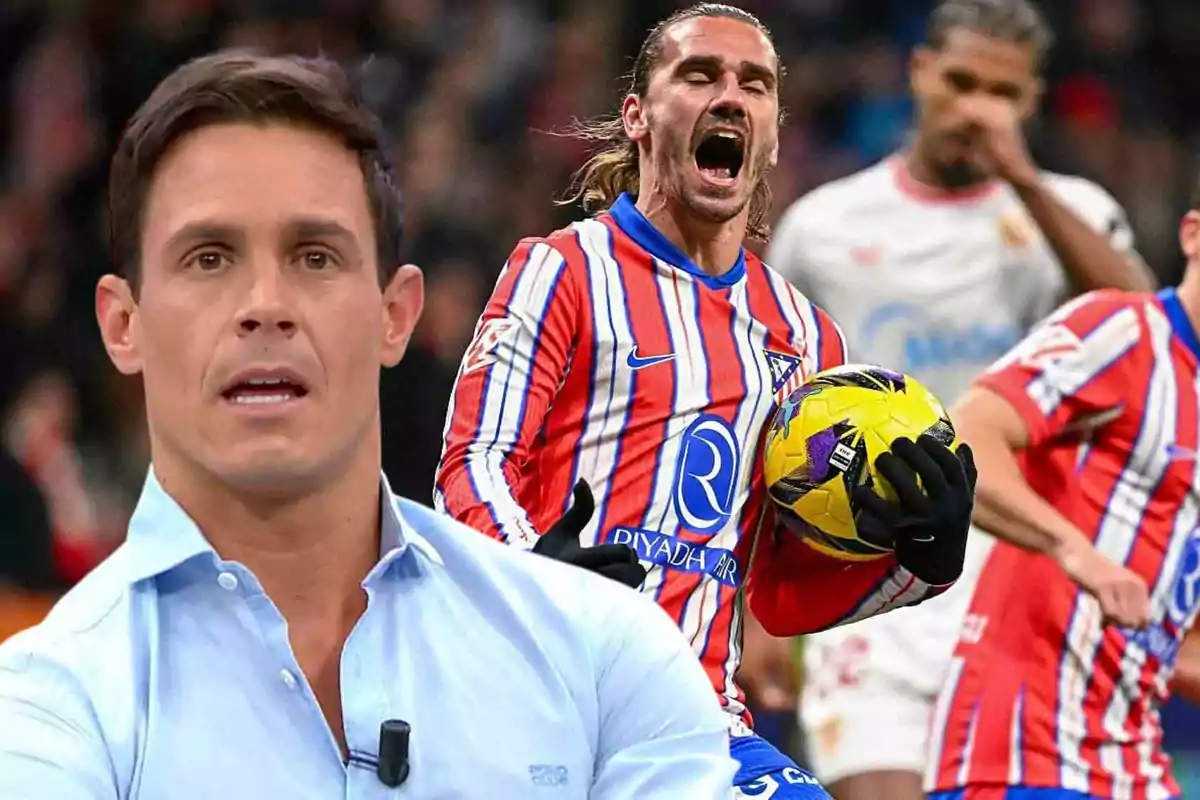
(870, 687)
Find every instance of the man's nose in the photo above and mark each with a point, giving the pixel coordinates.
(730, 104)
(267, 308)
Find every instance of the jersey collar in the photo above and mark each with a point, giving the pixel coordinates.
(1181, 324)
(635, 225)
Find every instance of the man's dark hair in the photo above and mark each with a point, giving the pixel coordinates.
(614, 168)
(1016, 21)
(233, 86)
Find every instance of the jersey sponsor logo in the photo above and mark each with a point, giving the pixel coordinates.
(492, 334)
(1162, 639)
(1185, 593)
(674, 553)
(634, 361)
(782, 366)
(929, 343)
(706, 474)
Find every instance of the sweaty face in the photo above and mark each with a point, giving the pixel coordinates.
(967, 64)
(710, 116)
(260, 327)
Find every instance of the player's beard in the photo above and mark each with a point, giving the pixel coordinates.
(959, 174)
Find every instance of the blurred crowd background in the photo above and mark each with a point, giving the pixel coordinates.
(472, 92)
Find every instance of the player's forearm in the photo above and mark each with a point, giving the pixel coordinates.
(1186, 681)
(1089, 257)
(1005, 504)
(793, 590)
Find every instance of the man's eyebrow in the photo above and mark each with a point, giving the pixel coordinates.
(302, 228)
(203, 231)
(297, 230)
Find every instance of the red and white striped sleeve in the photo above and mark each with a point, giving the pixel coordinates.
(795, 590)
(1074, 369)
(508, 378)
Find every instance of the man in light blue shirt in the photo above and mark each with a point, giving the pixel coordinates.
(274, 602)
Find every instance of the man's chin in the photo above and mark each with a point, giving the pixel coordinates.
(961, 174)
(716, 208)
(270, 475)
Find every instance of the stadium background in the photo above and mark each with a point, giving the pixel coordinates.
(468, 90)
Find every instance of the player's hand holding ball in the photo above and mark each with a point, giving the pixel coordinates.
(863, 462)
(929, 525)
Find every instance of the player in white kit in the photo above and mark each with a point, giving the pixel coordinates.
(936, 261)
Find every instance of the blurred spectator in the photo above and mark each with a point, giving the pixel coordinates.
(26, 536)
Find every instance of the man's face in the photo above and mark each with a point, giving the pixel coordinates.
(968, 64)
(710, 116)
(260, 327)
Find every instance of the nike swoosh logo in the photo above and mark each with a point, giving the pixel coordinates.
(1177, 453)
(636, 362)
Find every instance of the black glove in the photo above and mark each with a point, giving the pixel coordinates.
(561, 542)
(928, 529)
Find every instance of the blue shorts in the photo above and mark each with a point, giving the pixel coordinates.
(766, 772)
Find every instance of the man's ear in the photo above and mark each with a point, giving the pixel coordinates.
(633, 117)
(117, 315)
(1189, 235)
(403, 299)
(918, 64)
(1028, 104)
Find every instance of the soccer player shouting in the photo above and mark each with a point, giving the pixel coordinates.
(643, 351)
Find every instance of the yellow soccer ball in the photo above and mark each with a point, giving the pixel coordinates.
(823, 443)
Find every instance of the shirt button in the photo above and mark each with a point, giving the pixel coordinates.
(228, 581)
(289, 680)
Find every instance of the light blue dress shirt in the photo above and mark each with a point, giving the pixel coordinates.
(167, 673)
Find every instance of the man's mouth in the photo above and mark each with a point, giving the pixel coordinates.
(720, 156)
(264, 389)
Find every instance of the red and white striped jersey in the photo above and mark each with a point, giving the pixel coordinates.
(606, 354)
(1039, 692)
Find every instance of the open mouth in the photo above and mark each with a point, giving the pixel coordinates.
(720, 155)
(261, 391)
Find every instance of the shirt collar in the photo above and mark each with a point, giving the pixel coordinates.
(1180, 322)
(162, 536)
(635, 225)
